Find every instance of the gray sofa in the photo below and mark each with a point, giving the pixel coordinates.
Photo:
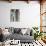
(17, 35)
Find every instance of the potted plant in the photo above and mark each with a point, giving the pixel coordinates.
(37, 33)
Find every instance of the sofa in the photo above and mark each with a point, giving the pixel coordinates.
(22, 34)
(17, 34)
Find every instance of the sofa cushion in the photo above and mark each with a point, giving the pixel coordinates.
(11, 30)
(17, 30)
(22, 38)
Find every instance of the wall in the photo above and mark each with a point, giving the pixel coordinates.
(29, 14)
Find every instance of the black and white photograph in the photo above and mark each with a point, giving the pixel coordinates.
(22, 22)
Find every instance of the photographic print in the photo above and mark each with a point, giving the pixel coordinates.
(22, 22)
(14, 15)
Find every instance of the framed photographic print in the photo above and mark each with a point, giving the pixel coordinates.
(14, 15)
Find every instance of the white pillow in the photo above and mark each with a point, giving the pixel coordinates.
(28, 31)
(23, 31)
(5, 32)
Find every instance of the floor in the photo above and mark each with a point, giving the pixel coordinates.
(35, 43)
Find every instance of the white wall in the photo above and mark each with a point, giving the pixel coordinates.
(29, 14)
